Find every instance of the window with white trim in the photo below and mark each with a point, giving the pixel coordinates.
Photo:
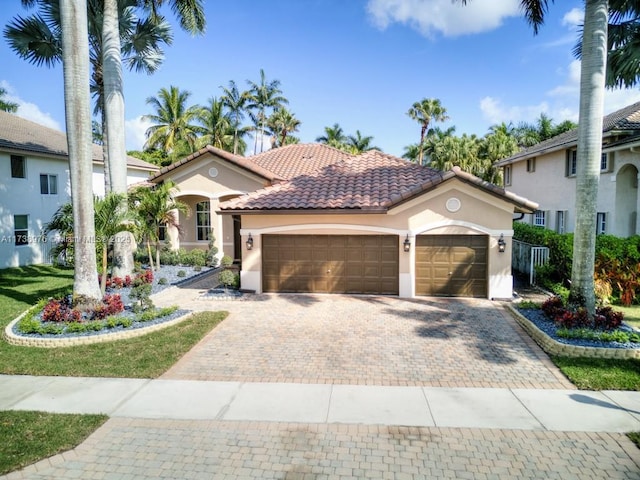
(531, 165)
(561, 220)
(21, 229)
(604, 162)
(507, 175)
(203, 220)
(540, 218)
(48, 184)
(18, 167)
(601, 223)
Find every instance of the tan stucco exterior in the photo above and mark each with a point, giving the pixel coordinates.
(454, 207)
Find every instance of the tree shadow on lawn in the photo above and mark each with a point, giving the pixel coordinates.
(13, 281)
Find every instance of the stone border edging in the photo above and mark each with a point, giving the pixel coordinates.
(52, 342)
(553, 347)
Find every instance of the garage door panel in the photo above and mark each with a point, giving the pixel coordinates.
(331, 263)
(452, 265)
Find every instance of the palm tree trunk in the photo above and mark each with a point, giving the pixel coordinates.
(103, 286)
(75, 56)
(592, 82)
(105, 155)
(150, 255)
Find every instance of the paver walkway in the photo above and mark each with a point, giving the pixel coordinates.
(353, 340)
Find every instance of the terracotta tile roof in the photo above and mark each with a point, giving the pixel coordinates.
(20, 135)
(371, 182)
(299, 159)
(625, 120)
(240, 161)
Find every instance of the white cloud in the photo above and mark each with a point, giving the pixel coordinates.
(27, 110)
(562, 104)
(135, 132)
(447, 17)
(573, 18)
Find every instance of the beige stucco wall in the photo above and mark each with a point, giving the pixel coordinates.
(197, 182)
(479, 213)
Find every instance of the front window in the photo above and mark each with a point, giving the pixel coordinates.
(162, 232)
(539, 218)
(48, 184)
(18, 167)
(560, 221)
(21, 229)
(601, 223)
(203, 220)
(572, 163)
(604, 162)
(507, 175)
(531, 165)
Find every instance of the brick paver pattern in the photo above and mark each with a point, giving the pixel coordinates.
(135, 449)
(362, 340)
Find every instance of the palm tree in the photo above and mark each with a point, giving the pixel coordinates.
(592, 85)
(62, 222)
(281, 123)
(263, 96)
(6, 106)
(110, 220)
(172, 120)
(333, 136)
(235, 102)
(75, 54)
(156, 209)
(358, 143)
(424, 112)
(495, 146)
(216, 127)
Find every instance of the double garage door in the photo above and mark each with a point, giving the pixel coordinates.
(330, 263)
(447, 265)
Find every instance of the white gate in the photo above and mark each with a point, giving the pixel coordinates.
(526, 257)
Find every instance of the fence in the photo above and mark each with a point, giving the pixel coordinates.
(526, 257)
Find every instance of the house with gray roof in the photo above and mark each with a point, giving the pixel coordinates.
(35, 182)
(547, 172)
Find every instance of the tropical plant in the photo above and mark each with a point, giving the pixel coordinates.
(280, 124)
(217, 129)
(424, 112)
(235, 103)
(333, 136)
(173, 121)
(75, 54)
(5, 105)
(62, 222)
(156, 209)
(358, 143)
(263, 96)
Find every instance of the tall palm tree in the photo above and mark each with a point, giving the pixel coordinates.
(172, 120)
(216, 127)
(495, 146)
(5, 105)
(281, 123)
(263, 96)
(592, 86)
(156, 208)
(235, 102)
(358, 143)
(424, 112)
(75, 54)
(334, 136)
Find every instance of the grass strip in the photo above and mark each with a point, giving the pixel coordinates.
(31, 436)
(601, 373)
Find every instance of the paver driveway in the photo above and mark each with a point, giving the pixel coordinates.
(363, 340)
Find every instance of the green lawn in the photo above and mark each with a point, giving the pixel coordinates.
(601, 373)
(631, 314)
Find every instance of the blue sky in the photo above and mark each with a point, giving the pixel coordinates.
(359, 63)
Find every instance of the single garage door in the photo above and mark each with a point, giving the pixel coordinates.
(451, 265)
(330, 263)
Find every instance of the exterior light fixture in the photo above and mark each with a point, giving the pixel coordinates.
(502, 245)
(249, 242)
(407, 244)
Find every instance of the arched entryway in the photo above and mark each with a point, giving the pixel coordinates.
(626, 201)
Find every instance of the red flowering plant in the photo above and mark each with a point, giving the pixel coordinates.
(60, 310)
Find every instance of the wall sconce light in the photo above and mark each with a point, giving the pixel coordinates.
(502, 245)
(407, 244)
(249, 242)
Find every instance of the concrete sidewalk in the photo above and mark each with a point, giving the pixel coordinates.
(490, 408)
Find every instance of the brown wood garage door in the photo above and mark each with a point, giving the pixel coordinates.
(330, 263)
(451, 265)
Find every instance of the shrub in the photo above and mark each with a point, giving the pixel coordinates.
(607, 319)
(60, 310)
(196, 257)
(181, 273)
(141, 293)
(227, 278)
(571, 319)
(552, 307)
(226, 261)
(163, 281)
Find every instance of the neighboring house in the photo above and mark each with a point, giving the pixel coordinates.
(35, 182)
(310, 218)
(547, 171)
